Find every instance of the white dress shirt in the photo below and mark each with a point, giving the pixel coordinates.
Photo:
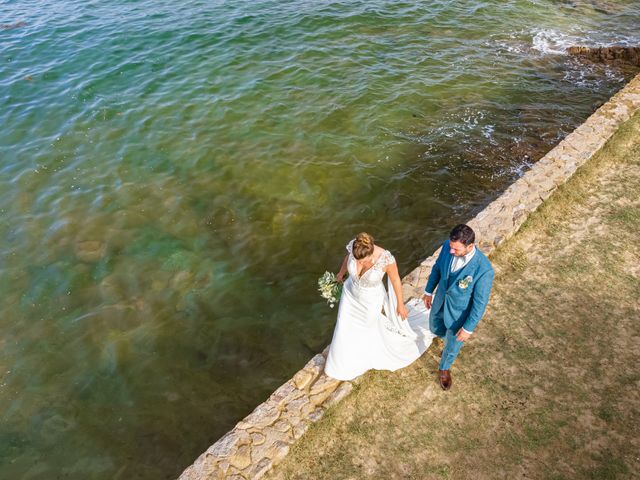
(459, 262)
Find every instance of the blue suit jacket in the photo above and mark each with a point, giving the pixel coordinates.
(454, 304)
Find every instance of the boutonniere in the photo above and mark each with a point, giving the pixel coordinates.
(465, 282)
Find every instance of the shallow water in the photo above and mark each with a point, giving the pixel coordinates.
(174, 179)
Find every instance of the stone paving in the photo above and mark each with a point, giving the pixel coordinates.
(264, 437)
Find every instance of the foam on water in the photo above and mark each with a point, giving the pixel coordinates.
(550, 41)
(553, 42)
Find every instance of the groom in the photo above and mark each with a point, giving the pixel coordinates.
(464, 276)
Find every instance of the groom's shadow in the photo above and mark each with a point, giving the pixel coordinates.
(435, 349)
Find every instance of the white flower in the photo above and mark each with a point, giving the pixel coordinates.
(465, 282)
(329, 287)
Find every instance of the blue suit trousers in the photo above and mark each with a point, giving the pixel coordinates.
(452, 345)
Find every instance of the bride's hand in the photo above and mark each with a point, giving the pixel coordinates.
(342, 271)
(402, 311)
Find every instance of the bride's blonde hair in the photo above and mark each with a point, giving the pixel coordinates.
(362, 245)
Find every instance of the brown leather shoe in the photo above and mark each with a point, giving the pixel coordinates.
(445, 379)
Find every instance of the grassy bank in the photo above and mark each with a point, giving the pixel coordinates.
(549, 385)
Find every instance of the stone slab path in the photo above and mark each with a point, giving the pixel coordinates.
(549, 385)
(265, 437)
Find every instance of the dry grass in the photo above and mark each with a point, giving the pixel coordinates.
(548, 387)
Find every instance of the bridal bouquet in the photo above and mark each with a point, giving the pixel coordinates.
(330, 288)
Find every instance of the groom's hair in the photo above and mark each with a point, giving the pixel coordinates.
(462, 233)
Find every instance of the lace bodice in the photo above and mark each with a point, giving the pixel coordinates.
(372, 277)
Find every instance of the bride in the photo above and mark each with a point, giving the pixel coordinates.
(375, 330)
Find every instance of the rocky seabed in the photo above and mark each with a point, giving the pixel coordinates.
(264, 437)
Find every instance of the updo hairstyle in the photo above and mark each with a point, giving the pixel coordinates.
(362, 246)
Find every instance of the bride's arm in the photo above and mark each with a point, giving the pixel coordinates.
(343, 268)
(392, 271)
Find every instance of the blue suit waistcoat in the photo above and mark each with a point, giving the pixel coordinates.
(454, 304)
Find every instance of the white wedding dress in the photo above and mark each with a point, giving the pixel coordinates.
(369, 334)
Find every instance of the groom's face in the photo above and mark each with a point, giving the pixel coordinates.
(459, 249)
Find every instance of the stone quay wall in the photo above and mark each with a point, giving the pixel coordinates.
(264, 437)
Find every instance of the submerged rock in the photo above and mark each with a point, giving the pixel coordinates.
(11, 26)
(609, 55)
(90, 251)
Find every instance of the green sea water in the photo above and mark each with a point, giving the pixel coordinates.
(174, 177)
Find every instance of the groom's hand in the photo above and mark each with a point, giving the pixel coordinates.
(428, 301)
(463, 336)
